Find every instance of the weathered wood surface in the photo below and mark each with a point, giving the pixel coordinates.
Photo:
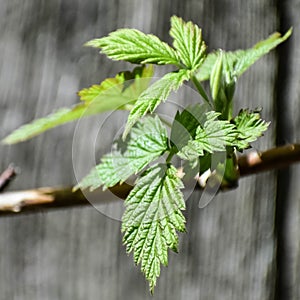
(289, 200)
(229, 251)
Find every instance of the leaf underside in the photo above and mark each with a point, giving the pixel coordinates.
(242, 59)
(112, 94)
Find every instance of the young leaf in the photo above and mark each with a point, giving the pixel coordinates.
(207, 66)
(249, 57)
(112, 170)
(185, 124)
(250, 126)
(216, 76)
(188, 42)
(222, 85)
(36, 127)
(152, 217)
(147, 141)
(154, 95)
(242, 59)
(214, 135)
(111, 94)
(136, 47)
(128, 85)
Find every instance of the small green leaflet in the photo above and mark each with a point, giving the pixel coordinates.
(241, 60)
(188, 42)
(147, 141)
(250, 126)
(61, 116)
(136, 47)
(154, 95)
(222, 84)
(112, 170)
(111, 94)
(185, 124)
(261, 48)
(216, 76)
(214, 135)
(152, 217)
(128, 85)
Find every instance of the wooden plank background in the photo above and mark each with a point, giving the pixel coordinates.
(243, 245)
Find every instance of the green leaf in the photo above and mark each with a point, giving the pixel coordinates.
(222, 85)
(152, 217)
(185, 124)
(249, 57)
(241, 60)
(147, 141)
(229, 61)
(128, 85)
(111, 94)
(214, 135)
(188, 42)
(154, 95)
(216, 76)
(62, 116)
(223, 69)
(250, 126)
(207, 66)
(112, 170)
(136, 47)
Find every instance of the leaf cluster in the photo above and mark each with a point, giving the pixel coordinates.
(153, 209)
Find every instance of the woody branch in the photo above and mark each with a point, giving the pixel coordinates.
(48, 198)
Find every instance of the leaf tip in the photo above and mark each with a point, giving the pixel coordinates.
(288, 33)
(151, 289)
(10, 140)
(95, 43)
(5, 141)
(126, 130)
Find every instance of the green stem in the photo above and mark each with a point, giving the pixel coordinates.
(170, 156)
(201, 90)
(228, 111)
